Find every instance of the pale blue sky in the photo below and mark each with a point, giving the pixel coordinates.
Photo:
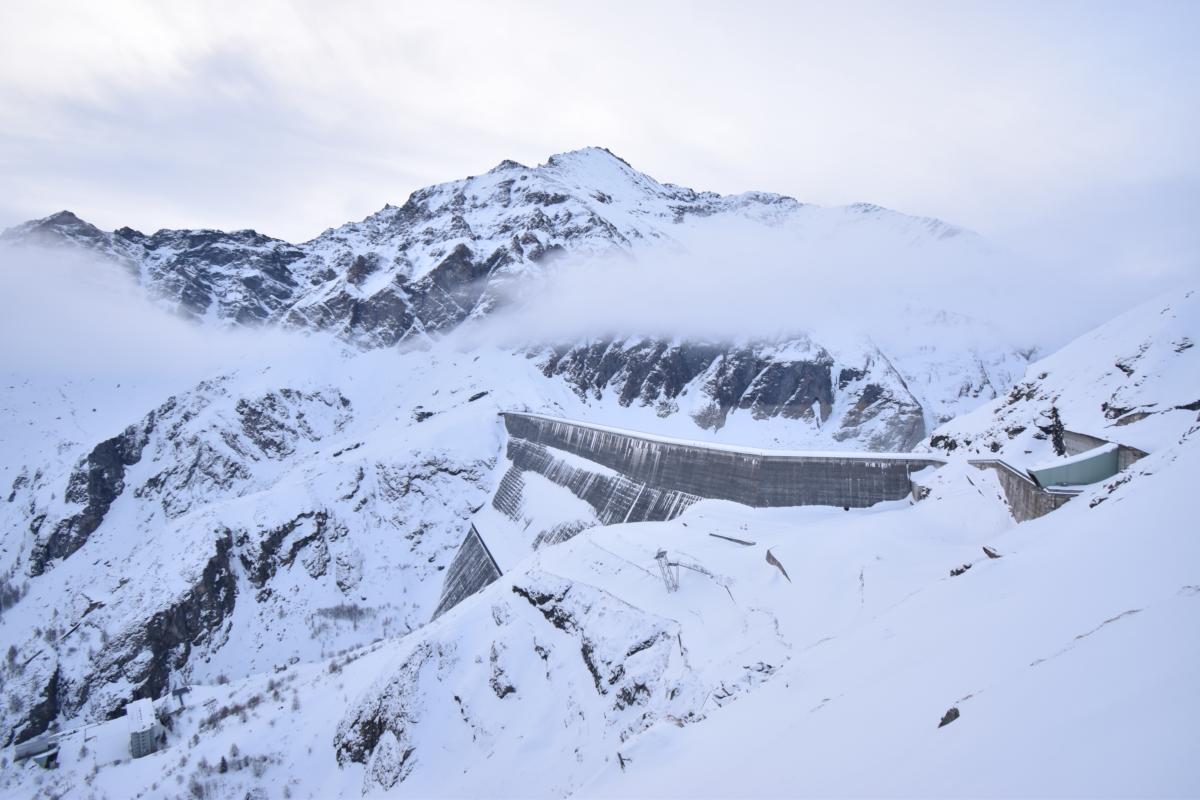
(1064, 127)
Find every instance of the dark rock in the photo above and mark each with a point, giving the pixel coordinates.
(948, 717)
(1054, 429)
(37, 720)
(95, 484)
(262, 563)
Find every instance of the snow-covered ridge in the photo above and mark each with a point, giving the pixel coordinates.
(1131, 381)
(447, 252)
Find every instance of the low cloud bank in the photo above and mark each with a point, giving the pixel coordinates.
(70, 314)
(837, 280)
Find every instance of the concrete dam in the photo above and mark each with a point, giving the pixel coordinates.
(566, 476)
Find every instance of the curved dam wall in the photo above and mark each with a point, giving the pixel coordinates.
(623, 476)
(759, 478)
(611, 497)
(614, 497)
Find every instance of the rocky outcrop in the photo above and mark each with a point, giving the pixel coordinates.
(94, 484)
(279, 547)
(168, 637)
(790, 379)
(37, 720)
(543, 652)
(236, 494)
(142, 657)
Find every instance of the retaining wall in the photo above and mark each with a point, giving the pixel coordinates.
(1026, 500)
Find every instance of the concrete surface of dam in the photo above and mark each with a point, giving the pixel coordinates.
(758, 478)
(566, 476)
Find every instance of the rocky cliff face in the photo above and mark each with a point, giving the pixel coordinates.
(234, 528)
(864, 402)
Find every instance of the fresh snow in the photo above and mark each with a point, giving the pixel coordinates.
(342, 483)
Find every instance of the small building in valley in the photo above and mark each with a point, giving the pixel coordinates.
(143, 727)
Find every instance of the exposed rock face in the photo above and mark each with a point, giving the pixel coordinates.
(142, 657)
(542, 651)
(221, 499)
(147, 655)
(795, 379)
(39, 717)
(95, 484)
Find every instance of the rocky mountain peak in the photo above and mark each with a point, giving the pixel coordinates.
(506, 165)
(451, 252)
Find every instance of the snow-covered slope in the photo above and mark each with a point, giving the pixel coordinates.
(258, 517)
(231, 530)
(1066, 661)
(1134, 380)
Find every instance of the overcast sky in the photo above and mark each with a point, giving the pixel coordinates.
(1069, 127)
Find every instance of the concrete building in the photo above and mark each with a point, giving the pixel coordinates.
(43, 750)
(143, 727)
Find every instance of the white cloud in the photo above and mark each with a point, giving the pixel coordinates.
(1026, 122)
(69, 315)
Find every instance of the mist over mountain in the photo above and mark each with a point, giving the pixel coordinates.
(242, 476)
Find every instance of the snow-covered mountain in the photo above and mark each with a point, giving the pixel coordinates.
(579, 672)
(1134, 380)
(443, 255)
(458, 251)
(274, 534)
(168, 539)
